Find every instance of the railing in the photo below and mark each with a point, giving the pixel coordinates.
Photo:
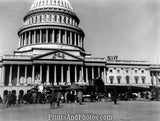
(128, 61)
(95, 59)
(16, 57)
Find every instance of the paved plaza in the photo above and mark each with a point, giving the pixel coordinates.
(124, 111)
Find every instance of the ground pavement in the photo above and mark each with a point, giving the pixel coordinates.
(123, 111)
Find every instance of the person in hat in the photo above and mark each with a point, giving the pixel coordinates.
(58, 96)
(115, 96)
(52, 99)
(80, 96)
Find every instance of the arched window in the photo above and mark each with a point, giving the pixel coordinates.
(136, 79)
(36, 19)
(119, 79)
(64, 19)
(143, 79)
(40, 19)
(32, 20)
(127, 79)
(50, 18)
(58, 3)
(111, 78)
(68, 20)
(60, 19)
(45, 18)
(71, 21)
(56, 18)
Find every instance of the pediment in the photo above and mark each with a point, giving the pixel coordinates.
(57, 55)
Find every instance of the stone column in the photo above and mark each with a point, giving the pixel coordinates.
(65, 37)
(62, 81)
(47, 77)
(152, 77)
(105, 80)
(10, 76)
(82, 75)
(92, 72)
(3, 75)
(22, 43)
(82, 43)
(75, 39)
(19, 41)
(102, 75)
(34, 40)
(46, 35)
(87, 76)
(98, 71)
(25, 76)
(156, 78)
(18, 73)
(40, 36)
(59, 41)
(41, 72)
(70, 38)
(75, 78)
(25, 38)
(68, 76)
(78, 40)
(55, 75)
(29, 38)
(33, 74)
(53, 36)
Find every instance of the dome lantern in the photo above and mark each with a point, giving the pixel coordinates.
(59, 4)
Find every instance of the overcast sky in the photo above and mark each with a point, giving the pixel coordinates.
(127, 28)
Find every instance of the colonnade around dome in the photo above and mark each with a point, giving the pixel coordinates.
(51, 36)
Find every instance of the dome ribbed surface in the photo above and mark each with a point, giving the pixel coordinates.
(61, 4)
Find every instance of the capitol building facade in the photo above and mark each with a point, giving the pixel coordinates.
(51, 52)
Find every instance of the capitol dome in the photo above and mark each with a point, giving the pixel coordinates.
(50, 25)
(60, 4)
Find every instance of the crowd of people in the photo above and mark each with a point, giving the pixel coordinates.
(35, 97)
(56, 96)
(10, 99)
